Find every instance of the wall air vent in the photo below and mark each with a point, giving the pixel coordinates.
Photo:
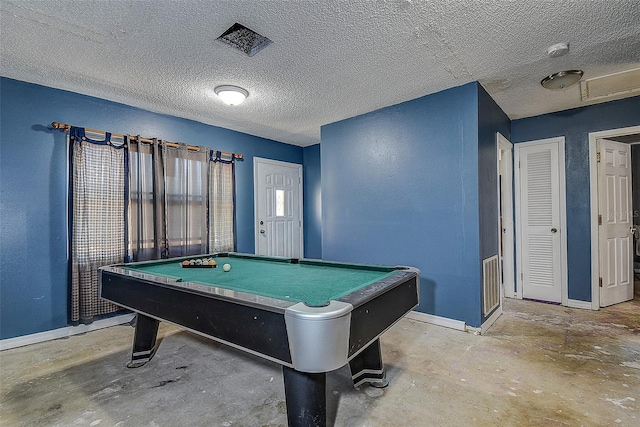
(611, 86)
(243, 39)
(490, 284)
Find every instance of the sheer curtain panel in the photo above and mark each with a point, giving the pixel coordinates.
(97, 209)
(184, 195)
(221, 202)
(146, 209)
(168, 201)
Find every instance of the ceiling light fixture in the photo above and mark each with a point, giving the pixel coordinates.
(231, 95)
(562, 80)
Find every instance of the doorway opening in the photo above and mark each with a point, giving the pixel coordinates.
(506, 244)
(628, 261)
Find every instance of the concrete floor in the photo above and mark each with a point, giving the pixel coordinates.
(538, 365)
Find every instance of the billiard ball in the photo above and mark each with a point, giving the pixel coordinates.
(185, 262)
(226, 267)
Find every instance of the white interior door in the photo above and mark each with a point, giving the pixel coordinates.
(505, 190)
(278, 208)
(616, 222)
(541, 215)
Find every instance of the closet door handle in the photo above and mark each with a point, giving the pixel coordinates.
(554, 230)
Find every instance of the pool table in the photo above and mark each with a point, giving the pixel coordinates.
(310, 316)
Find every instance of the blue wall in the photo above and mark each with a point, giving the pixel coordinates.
(400, 186)
(411, 184)
(312, 195)
(33, 190)
(575, 125)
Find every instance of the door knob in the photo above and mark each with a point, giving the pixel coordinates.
(554, 230)
(261, 231)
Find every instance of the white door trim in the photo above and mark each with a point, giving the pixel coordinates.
(563, 214)
(507, 266)
(593, 184)
(256, 228)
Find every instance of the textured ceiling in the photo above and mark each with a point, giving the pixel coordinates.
(329, 60)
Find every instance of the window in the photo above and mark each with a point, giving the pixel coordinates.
(141, 201)
(280, 203)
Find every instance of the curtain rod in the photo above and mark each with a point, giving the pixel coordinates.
(65, 127)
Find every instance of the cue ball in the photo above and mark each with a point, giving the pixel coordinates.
(226, 267)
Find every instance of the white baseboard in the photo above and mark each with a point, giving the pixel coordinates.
(458, 325)
(491, 320)
(574, 303)
(437, 320)
(68, 331)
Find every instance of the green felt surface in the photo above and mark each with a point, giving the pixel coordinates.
(312, 283)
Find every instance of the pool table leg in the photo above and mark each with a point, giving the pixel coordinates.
(144, 341)
(305, 395)
(367, 366)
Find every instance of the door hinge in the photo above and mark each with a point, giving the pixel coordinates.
(600, 219)
(600, 281)
(598, 157)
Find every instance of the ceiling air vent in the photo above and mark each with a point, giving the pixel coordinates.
(617, 85)
(243, 39)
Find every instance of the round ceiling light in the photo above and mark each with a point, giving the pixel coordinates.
(562, 80)
(231, 95)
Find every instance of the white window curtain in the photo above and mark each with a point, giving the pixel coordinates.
(184, 194)
(146, 211)
(221, 203)
(168, 201)
(97, 219)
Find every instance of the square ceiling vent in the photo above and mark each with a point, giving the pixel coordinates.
(617, 85)
(243, 39)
